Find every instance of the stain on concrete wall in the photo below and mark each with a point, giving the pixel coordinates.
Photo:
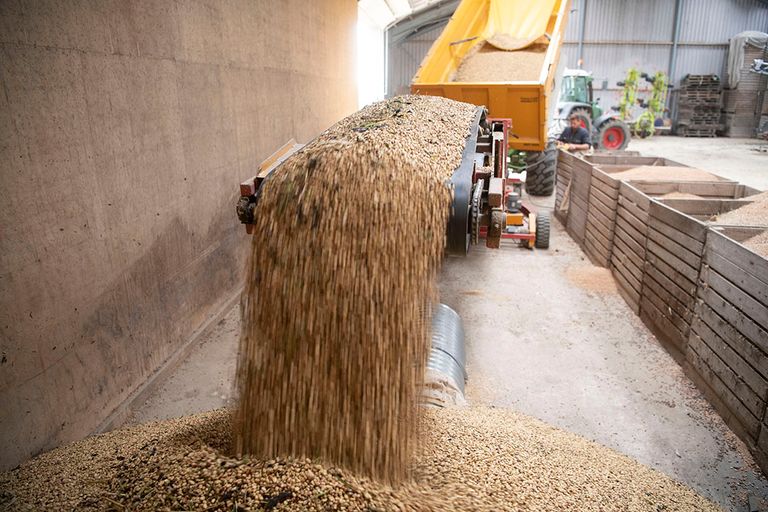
(125, 128)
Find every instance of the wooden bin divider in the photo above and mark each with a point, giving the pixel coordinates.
(601, 217)
(728, 344)
(630, 158)
(704, 208)
(675, 245)
(629, 242)
(718, 189)
(562, 185)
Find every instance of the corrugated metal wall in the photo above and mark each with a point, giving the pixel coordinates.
(403, 59)
(621, 34)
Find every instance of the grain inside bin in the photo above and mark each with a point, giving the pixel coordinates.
(665, 173)
(752, 214)
(759, 244)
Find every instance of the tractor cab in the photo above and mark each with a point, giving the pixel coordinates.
(576, 98)
(576, 89)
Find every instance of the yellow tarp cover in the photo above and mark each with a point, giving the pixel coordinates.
(515, 24)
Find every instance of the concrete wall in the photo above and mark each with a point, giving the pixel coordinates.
(125, 128)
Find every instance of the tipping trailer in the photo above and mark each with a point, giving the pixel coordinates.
(504, 54)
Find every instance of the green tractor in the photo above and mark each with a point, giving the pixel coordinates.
(608, 130)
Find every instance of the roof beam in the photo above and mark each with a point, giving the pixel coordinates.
(437, 12)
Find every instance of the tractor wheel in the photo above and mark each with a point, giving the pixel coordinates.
(585, 118)
(613, 135)
(540, 171)
(542, 231)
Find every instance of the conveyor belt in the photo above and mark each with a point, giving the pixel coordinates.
(458, 233)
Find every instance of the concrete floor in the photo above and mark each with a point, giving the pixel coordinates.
(548, 335)
(736, 159)
(205, 380)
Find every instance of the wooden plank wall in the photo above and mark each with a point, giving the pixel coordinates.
(718, 189)
(705, 208)
(601, 217)
(728, 344)
(630, 158)
(581, 181)
(629, 241)
(562, 190)
(674, 249)
(693, 285)
(739, 233)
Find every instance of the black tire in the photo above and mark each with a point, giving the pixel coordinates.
(585, 118)
(542, 231)
(610, 132)
(540, 171)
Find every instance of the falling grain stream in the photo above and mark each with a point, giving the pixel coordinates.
(349, 235)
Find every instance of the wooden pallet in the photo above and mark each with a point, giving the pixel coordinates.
(698, 111)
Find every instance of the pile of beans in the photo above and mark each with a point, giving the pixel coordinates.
(471, 459)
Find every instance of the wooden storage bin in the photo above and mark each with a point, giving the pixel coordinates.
(630, 234)
(601, 217)
(674, 248)
(562, 182)
(691, 281)
(728, 343)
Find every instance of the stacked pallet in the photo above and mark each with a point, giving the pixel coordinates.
(742, 105)
(698, 110)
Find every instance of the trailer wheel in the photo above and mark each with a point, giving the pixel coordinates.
(613, 135)
(542, 231)
(540, 171)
